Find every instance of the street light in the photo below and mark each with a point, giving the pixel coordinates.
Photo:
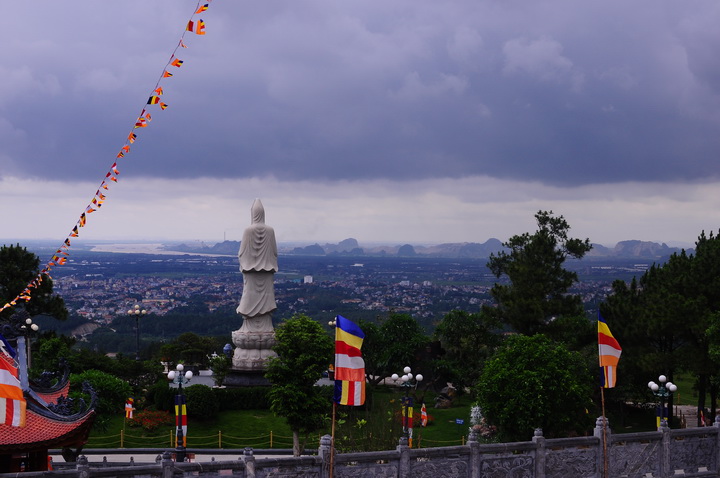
(407, 382)
(180, 412)
(137, 312)
(663, 392)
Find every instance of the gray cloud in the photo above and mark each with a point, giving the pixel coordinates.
(556, 91)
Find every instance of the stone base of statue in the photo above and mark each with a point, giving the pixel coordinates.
(253, 348)
(239, 378)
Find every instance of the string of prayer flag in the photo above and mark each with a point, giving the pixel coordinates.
(193, 25)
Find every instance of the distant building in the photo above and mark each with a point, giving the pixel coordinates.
(307, 280)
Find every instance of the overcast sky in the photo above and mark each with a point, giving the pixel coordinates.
(384, 120)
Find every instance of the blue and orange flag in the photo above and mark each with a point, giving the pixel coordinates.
(609, 351)
(349, 364)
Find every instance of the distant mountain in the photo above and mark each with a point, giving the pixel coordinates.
(634, 248)
(464, 250)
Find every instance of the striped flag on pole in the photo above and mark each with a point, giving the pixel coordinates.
(12, 400)
(609, 352)
(349, 364)
(181, 418)
(129, 407)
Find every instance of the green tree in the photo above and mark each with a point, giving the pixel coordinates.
(189, 348)
(304, 351)
(538, 281)
(18, 268)
(667, 321)
(398, 341)
(532, 382)
(467, 340)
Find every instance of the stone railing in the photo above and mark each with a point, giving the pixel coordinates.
(689, 452)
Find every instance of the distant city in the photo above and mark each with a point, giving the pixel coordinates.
(100, 282)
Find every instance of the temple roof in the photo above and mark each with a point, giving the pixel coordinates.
(42, 432)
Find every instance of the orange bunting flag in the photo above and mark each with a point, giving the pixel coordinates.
(113, 178)
(101, 196)
(114, 168)
(203, 8)
(132, 138)
(177, 62)
(167, 74)
(120, 154)
(74, 232)
(153, 100)
(148, 117)
(163, 106)
(182, 44)
(89, 209)
(126, 148)
(141, 123)
(83, 220)
(196, 27)
(158, 90)
(67, 242)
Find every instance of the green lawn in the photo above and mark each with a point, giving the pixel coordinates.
(262, 429)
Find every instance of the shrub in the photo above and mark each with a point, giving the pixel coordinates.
(201, 402)
(162, 396)
(112, 392)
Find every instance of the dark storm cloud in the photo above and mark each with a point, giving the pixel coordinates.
(561, 92)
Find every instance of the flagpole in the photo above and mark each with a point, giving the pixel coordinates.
(605, 455)
(332, 440)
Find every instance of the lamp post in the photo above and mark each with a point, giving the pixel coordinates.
(180, 410)
(663, 392)
(407, 382)
(137, 312)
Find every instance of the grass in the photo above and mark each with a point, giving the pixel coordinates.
(261, 429)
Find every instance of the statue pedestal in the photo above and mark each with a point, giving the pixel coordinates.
(253, 348)
(239, 378)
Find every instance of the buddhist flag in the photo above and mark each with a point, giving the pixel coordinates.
(12, 401)
(158, 90)
(132, 137)
(153, 100)
(129, 407)
(203, 8)
(181, 418)
(176, 62)
(196, 27)
(163, 106)
(423, 416)
(167, 74)
(349, 365)
(609, 351)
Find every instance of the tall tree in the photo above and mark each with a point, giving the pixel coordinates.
(19, 267)
(467, 339)
(667, 320)
(538, 281)
(304, 351)
(388, 347)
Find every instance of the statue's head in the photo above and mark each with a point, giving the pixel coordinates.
(257, 212)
